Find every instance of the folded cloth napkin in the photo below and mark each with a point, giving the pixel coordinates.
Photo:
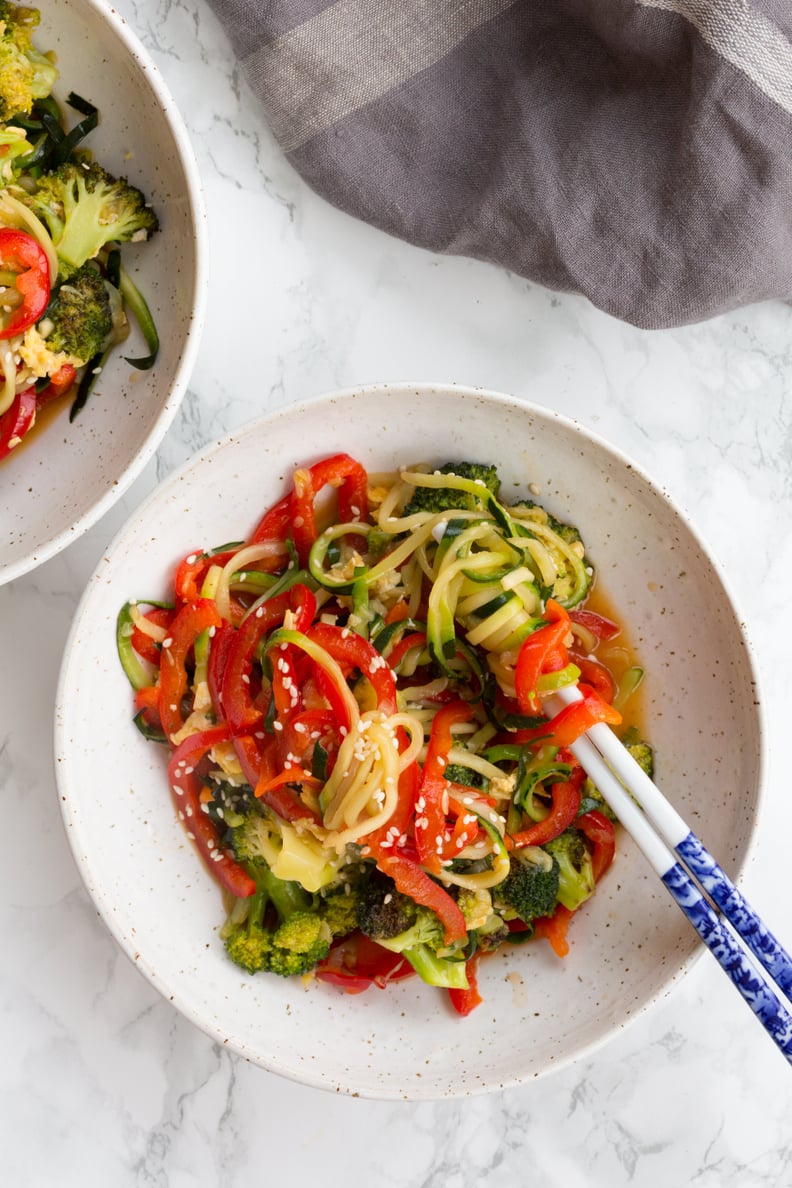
(636, 151)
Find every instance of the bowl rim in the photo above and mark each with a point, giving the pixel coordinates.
(60, 748)
(185, 153)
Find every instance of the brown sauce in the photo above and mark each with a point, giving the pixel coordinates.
(44, 417)
(618, 656)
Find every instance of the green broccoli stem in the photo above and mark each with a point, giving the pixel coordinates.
(286, 897)
(437, 971)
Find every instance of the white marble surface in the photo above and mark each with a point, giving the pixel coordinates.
(102, 1081)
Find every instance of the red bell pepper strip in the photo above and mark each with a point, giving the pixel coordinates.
(17, 420)
(411, 880)
(193, 619)
(60, 383)
(416, 639)
(347, 647)
(219, 648)
(596, 675)
(554, 928)
(191, 571)
(21, 253)
(355, 962)
(541, 652)
(186, 788)
(340, 471)
(147, 702)
(143, 644)
(283, 800)
(464, 1001)
(431, 810)
(303, 523)
(257, 757)
(235, 694)
(597, 624)
(602, 839)
(566, 802)
(389, 835)
(578, 717)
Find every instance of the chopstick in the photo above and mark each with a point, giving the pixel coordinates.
(676, 854)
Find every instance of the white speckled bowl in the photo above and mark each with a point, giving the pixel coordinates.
(66, 476)
(629, 944)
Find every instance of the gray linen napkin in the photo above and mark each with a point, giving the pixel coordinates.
(636, 151)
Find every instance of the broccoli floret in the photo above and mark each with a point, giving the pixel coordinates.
(81, 317)
(643, 755)
(251, 839)
(592, 799)
(25, 74)
(299, 944)
(339, 912)
(382, 912)
(423, 945)
(532, 887)
(575, 870)
(567, 532)
(440, 499)
(486, 927)
(279, 931)
(85, 207)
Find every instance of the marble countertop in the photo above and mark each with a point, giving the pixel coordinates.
(102, 1081)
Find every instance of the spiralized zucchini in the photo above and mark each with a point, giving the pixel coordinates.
(358, 688)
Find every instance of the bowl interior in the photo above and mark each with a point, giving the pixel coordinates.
(66, 475)
(628, 943)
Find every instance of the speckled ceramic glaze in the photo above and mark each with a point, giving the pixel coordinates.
(60, 481)
(629, 944)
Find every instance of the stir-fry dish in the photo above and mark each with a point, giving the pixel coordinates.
(64, 293)
(360, 746)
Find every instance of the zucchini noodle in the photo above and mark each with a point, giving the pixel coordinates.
(14, 213)
(367, 700)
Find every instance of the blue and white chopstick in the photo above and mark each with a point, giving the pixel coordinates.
(655, 826)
